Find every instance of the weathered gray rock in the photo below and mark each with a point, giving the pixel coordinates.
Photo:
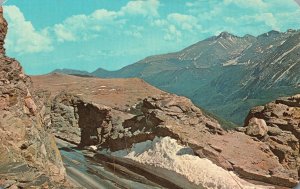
(29, 155)
(79, 121)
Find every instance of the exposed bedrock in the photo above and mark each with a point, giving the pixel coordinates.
(29, 155)
(282, 134)
(169, 115)
(78, 121)
(177, 117)
(94, 122)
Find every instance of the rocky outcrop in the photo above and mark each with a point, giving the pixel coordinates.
(174, 116)
(3, 31)
(79, 121)
(94, 122)
(161, 115)
(29, 155)
(282, 135)
(63, 121)
(177, 117)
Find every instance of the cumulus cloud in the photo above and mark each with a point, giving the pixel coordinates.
(269, 19)
(244, 16)
(22, 36)
(141, 7)
(257, 4)
(85, 27)
(186, 22)
(172, 34)
(175, 25)
(135, 31)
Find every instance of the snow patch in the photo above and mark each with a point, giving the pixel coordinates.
(286, 53)
(282, 42)
(231, 62)
(93, 147)
(222, 45)
(167, 153)
(286, 71)
(271, 46)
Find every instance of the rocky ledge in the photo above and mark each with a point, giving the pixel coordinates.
(168, 115)
(277, 125)
(177, 117)
(29, 155)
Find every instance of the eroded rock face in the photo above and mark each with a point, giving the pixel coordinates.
(64, 117)
(177, 117)
(160, 116)
(283, 120)
(79, 121)
(29, 155)
(3, 31)
(94, 122)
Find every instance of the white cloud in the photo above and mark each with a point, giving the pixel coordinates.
(104, 14)
(159, 22)
(176, 25)
(269, 19)
(135, 31)
(257, 4)
(22, 36)
(185, 22)
(85, 27)
(63, 34)
(173, 34)
(141, 7)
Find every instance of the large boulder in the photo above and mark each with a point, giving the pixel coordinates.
(257, 127)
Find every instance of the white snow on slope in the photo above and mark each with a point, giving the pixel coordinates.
(286, 53)
(286, 71)
(167, 153)
(231, 62)
(222, 45)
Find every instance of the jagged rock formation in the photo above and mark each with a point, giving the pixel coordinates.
(176, 117)
(282, 118)
(29, 155)
(63, 121)
(162, 116)
(3, 31)
(121, 95)
(78, 121)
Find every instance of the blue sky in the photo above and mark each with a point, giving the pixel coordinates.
(87, 34)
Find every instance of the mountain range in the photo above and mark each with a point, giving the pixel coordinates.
(224, 74)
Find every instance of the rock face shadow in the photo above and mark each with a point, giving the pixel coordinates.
(94, 122)
(185, 151)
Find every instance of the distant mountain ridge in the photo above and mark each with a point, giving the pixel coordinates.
(225, 74)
